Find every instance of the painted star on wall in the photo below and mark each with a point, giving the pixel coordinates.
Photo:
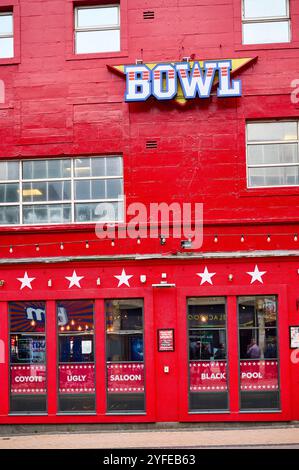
(25, 281)
(74, 279)
(123, 278)
(256, 275)
(206, 276)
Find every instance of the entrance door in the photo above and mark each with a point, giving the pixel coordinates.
(210, 332)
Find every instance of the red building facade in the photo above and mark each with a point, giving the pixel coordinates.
(148, 329)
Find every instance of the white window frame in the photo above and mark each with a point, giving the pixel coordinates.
(260, 20)
(8, 35)
(72, 202)
(270, 142)
(94, 28)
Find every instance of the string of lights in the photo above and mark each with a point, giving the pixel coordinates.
(163, 240)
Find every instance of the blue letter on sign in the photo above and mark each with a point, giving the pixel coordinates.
(138, 83)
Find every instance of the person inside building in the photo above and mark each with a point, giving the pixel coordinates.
(253, 350)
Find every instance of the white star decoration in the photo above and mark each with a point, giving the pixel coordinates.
(74, 279)
(26, 281)
(256, 275)
(123, 278)
(206, 276)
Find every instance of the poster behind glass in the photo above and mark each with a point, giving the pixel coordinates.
(28, 382)
(76, 369)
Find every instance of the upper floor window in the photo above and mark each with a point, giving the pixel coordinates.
(97, 29)
(273, 154)
(266, 21)
(61, 191)
(6, 35)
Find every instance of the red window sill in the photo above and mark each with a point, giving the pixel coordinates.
(102, 55)
(266, 47)
(12, 61)
(264, 192)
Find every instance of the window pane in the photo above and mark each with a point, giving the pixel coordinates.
(92, 17)
(9, 171)
(59, 168)
(98, 167)
(35, 169)
(264, 8)
(9, 215)
(207, 344)
(276, 153)
(114, 166)
(6, 24)
(82, 167)
(43, 169)
(125, 355)
(41, 214)
(114, 188)
(98, 189)
(256, 311)
(94, 189)
(206, 312)
(27, 356)
(52, 191)
(76, 356)
(267, 131)
(101, 212)
(6, 48)
(258, 343)
(82, 189)
(9, 193)
(97, 41)
(274, 176)
(266, 33)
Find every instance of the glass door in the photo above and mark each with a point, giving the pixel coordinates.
(125, 355)
(208, 384)
(258, 353)
(252, 357)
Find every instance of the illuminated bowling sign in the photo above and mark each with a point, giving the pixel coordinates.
(182, 81)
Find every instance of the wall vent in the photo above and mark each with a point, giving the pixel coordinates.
(148, 15)
(151, 144)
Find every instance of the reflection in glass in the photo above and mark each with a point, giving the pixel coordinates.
(76, 356)
(125, 355)
(27, 357)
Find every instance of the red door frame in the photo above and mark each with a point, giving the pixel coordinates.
(231, 294)
(99, 296)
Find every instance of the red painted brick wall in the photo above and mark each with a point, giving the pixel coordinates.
(61, 104)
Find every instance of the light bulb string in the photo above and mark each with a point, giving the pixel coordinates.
(61, 245)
